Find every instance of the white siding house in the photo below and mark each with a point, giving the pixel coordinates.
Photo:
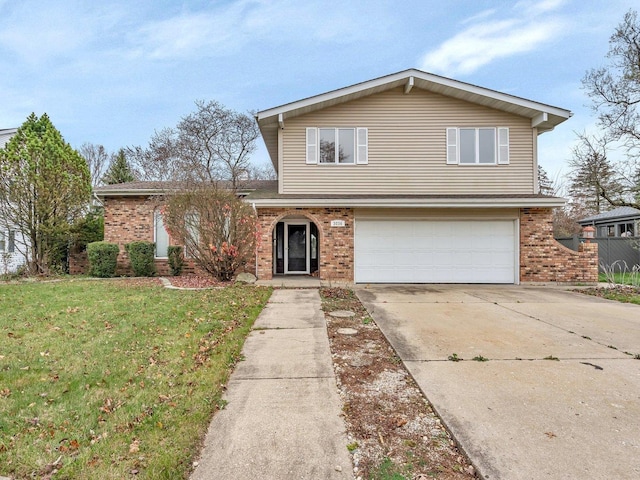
(13, 245)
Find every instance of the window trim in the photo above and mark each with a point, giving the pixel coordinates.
(360, 145)
(501, 145)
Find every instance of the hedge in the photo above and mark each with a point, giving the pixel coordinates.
(176, 259)
(103, 259)
(141, 257)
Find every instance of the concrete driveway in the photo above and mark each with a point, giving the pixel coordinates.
(523, 414)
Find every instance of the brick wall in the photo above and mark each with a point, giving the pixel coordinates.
(78, 263)
(542, 259)
(129, 219)
(336, 243)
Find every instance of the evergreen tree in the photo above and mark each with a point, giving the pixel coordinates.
(119, 170)
(45, 186)
(544, 182)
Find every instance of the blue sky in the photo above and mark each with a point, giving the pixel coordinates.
(112, 72)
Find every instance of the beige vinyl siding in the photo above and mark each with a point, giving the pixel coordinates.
(407, 148)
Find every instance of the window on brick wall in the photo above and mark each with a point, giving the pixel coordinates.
(161, 236)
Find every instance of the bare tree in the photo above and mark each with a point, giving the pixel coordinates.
(96, 157)
(263, 171)
(594, 180)
(158, 161)
(615, 94)
(213, 143)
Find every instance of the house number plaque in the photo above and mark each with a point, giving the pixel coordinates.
(337, 223)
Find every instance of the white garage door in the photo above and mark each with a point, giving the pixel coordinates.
(426, 251)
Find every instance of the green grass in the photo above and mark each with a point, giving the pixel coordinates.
(387, 470)
(621, 278)
(105, 379)
(620, 296)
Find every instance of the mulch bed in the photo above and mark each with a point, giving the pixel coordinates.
(392, 429)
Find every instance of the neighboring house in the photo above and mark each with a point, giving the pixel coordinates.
(619, 222)
(407, 178)
(12, 243)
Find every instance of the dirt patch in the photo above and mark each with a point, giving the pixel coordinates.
(620, 293)
(393, 431)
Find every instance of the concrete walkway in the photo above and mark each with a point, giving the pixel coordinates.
(282, 419)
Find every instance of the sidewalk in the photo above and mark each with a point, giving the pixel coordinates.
(282, 419)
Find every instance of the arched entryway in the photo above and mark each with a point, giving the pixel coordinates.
(296, 246)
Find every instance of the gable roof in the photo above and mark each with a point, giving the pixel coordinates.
(5, 135)
(544, 117)
(616, 213)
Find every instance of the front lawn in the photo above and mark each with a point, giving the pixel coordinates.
(114, 379)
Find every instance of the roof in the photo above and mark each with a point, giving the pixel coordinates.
(615, 214)
(544, 117)
(130, 189)
(5, 135)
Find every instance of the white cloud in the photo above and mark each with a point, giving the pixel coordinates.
(487, 39)
(223, 29)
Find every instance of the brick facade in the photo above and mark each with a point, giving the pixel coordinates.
(335, 243)
(129, 219)
(542, 259)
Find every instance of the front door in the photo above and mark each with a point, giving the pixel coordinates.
(296, 244)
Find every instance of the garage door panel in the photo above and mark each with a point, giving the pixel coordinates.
(399, 251)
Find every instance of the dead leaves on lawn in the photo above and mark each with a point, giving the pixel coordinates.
(110, 406)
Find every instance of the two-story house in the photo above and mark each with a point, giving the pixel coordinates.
(408, 178)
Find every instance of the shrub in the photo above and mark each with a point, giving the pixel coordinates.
(176, 259)
(103, 258)
(141, 258)
(88, 229)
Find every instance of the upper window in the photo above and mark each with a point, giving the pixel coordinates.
(337, 146)
(478, 146)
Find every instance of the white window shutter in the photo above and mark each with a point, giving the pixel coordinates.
(503, 146)
(362, 137)
(312, 146)
(452, 146)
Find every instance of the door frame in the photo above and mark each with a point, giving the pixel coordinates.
(307, 245)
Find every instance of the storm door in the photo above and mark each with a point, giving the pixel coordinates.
(296, 247)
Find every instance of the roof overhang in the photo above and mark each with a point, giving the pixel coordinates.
(408, 202)
(149, 192)
(543, 117)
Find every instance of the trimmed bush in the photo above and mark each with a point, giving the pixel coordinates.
(141, 258)
(176, 259)
(103, 259)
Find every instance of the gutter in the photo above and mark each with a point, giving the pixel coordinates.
(411, 202)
